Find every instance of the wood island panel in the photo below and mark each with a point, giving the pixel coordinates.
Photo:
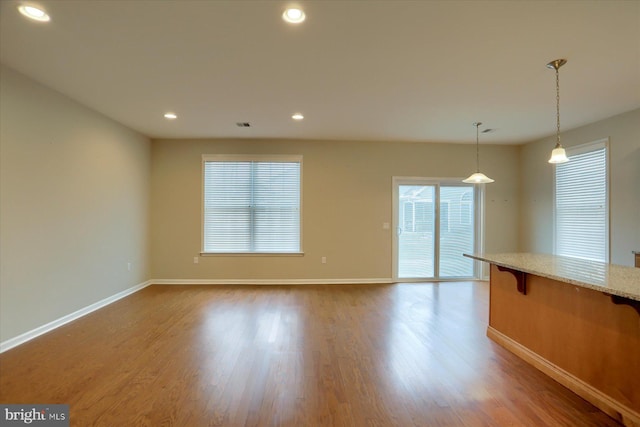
(574, 334)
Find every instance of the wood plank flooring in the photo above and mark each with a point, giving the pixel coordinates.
(358, 355)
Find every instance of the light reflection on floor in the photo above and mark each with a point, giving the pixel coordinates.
(417, 333)
(232, 333)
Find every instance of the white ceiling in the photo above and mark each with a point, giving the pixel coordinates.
(358, 70)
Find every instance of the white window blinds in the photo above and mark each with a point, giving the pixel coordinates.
(251, 206)
(581, 204)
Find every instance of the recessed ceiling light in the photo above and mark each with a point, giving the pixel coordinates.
(293, 15)
(170, 116)
(34, 13)
(297, 116)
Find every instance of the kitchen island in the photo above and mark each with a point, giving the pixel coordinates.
(578, 321)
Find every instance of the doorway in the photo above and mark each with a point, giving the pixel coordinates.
(436, 221)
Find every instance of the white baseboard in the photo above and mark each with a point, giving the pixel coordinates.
(29, 335)
(376, 281)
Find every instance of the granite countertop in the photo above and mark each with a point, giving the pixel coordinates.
(609, 278)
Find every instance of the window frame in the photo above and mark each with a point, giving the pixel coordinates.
(297, 158)
(581, 149)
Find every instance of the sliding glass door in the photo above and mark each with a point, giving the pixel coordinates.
(457, 231)
(435, 224)
(416, 230)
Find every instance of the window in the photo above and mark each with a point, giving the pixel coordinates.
(251, 204)
(582, 203)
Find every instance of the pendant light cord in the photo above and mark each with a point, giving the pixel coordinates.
(557, 107)
(477, 148)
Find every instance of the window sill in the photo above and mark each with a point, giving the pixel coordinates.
(250, 254)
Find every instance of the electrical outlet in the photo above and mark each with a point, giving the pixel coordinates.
(385, 226)
(324, 260)
(196, 260)
(128, 266)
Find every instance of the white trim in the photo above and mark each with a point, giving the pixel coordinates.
(442, 279)
(437, 220)
(40, 330)
(588, 147)
(374, 281)
(252, 158)
(252, 254)
(480, 269)
(395, 225)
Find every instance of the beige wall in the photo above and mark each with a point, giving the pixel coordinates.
(536, 219)
(74, 190)
(81, 196)
(347, 196)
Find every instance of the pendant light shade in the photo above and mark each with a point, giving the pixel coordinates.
(558, 155)
(478, 177)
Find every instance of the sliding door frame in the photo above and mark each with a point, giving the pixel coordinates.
(478, 217)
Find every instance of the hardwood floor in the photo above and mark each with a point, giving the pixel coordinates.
(379, 355)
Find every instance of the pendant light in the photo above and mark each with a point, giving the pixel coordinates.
(478, 177)
(558, 155)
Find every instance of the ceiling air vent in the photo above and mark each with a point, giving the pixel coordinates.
(243, 124)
